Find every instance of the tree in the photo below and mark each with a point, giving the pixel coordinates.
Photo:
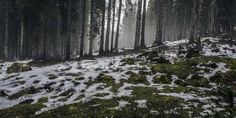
(6, 31)
(143, 25)
(113, 23)
(159, 28)
(101, 49)
(108, 27)
(68, 40)
(138, 24)
(118, 26)
(83, 28)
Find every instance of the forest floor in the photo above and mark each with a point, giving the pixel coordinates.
(132, 85)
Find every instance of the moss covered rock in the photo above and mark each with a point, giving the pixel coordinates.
(137, 78)
(18, 67)
(227, 78)
(129, 61)
(163, 79)
(198, 81)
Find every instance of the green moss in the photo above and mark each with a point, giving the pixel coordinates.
(23, 92)
(21, 111)
(43, 100)
(227, 78)
(102, 94)
(18, 67)
(137, 78)
(163, 79)
(129, 61)
(198, 81)
(44, 63)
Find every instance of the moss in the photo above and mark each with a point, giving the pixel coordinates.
(23, 92)
(198, 81)
(129, 61)
(227, 78)
(43, 63)
(68, 93)
(52, 76)
(102, 94)
(18, 67)
(180, 82)
(163, 79)
(79, 78)
(137, 79)
(21, 111)
(43, 100)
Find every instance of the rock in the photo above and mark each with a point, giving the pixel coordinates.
(129, 61)
(68, 93)
(210, 65)
(180, 82)
(52, 76)
(227, 78)
(163, 79)
(197, 81)
(23, 92)
(160, 60)
(3, 93)
(192, 53)
(18, 67)
(137, 79)
(28, 101)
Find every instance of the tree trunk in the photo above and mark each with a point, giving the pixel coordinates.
(159, 28)
(143, 25)
(108, 27)
(83, 29)
(6, 41)
(118, 27)
(92, 35)
(138, 24)
(101, 50)
(113, 24)
(68, 40)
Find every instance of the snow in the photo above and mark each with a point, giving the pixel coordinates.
(89, 70)
(141, 103)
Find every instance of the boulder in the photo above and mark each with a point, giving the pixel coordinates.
(18, 67)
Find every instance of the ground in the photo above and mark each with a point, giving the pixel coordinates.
(153, 83)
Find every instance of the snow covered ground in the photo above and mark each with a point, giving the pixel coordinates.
(70, 82)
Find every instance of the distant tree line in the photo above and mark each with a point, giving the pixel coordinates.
(61, 29)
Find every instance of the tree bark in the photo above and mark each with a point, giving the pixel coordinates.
(108, 27)
(138, 24)
(118, 26)
(6, 41)
(159, 28)
(83, 29)
(101, 50)
(143, 25)
(68, 40)
(92, 35)
(113, 24)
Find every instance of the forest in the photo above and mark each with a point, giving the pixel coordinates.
(117, 58)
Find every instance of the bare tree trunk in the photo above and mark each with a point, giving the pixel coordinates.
(83, 29)
(113, 24)
(92, 35)
(101, 50)
(68, 40)
(158, 41)
(21, 36)
(143, 25)
(108, 27)
(59, 50)
(118, 27)
(138, 24)
(6, 31)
